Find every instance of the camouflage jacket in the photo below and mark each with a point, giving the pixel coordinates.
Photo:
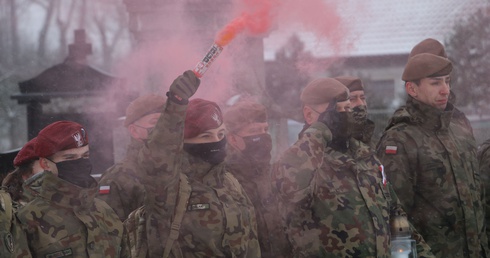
(66, 220)
(484, 164)
(430, 157)
(120, 185)
(256, 180)
(13, 240)
(336, 204)
(219, 220)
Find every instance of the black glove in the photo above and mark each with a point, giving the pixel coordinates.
(333, 120)
(338, 123)
(183, 87)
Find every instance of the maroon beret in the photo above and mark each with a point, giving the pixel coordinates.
(201, 116)
(243, 113)
(324, 90)
(352, 83)
(26, 154)
(59, 136)
(426, 65)
(142, 106)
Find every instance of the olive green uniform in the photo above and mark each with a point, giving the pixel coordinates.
(13, 240)
(256, 180)
(336, 204)
(219, 220)
(67, 220)
(430, 157)
(121, 185)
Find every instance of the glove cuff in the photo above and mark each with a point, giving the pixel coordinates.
(177, 99)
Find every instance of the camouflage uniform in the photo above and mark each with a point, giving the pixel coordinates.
(484, 163)
(66, 220)
(13, 241)
(256, 180)
(126, 192)
(219, 221)
(336, 204)
(430, 157)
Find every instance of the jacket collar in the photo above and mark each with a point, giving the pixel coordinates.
(418, 113)
(65, 194)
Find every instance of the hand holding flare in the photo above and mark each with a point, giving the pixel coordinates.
(256, 23)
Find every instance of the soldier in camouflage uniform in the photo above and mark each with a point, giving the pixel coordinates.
(429, 154)
(64, 219)
(12, 197)
(484, 164)
(248, 158)
(364, 128)
(26, 165)
(120, 185)
(336, 200)
(194, 207)
(13, 240)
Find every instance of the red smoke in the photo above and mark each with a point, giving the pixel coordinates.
(256, 19)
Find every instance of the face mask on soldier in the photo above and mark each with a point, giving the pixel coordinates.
(258, 147)
(211, 152)
(76, 171)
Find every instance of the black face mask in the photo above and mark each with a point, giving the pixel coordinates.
(258, 147)
(341, 125)
(211, 152)
(76, 172)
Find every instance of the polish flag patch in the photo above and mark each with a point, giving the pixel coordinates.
(391, 149)
(104, 189)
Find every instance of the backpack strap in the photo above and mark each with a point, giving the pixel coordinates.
(136, 230)
(180, 209)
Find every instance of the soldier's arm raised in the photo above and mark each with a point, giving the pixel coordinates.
(294, 171)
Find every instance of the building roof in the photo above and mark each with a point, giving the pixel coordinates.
(382, 27)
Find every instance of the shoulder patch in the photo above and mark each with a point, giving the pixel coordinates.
(104, 189)
(390, 149)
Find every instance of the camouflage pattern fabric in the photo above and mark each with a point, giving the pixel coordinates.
(126, 192)
(67, 221)
(220, 219)
(13, 241)
(430, 157)
(484, 164)
(336, 204)
(256, 180)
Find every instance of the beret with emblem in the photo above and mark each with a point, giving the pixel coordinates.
(324, 90)
(426, 65)
(430, 46)
(201, 115)
(142, 106)
(26, 154)
(243, 113)
(352, 83)
(60, 136)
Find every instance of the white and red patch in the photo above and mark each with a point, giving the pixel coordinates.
(382, 170)
(104, 189)
(391, 149)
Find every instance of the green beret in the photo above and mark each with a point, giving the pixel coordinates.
(142, 106)
(352, 83)
(430, 46)
(426, 65)
(243, 113)
(324, 90)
